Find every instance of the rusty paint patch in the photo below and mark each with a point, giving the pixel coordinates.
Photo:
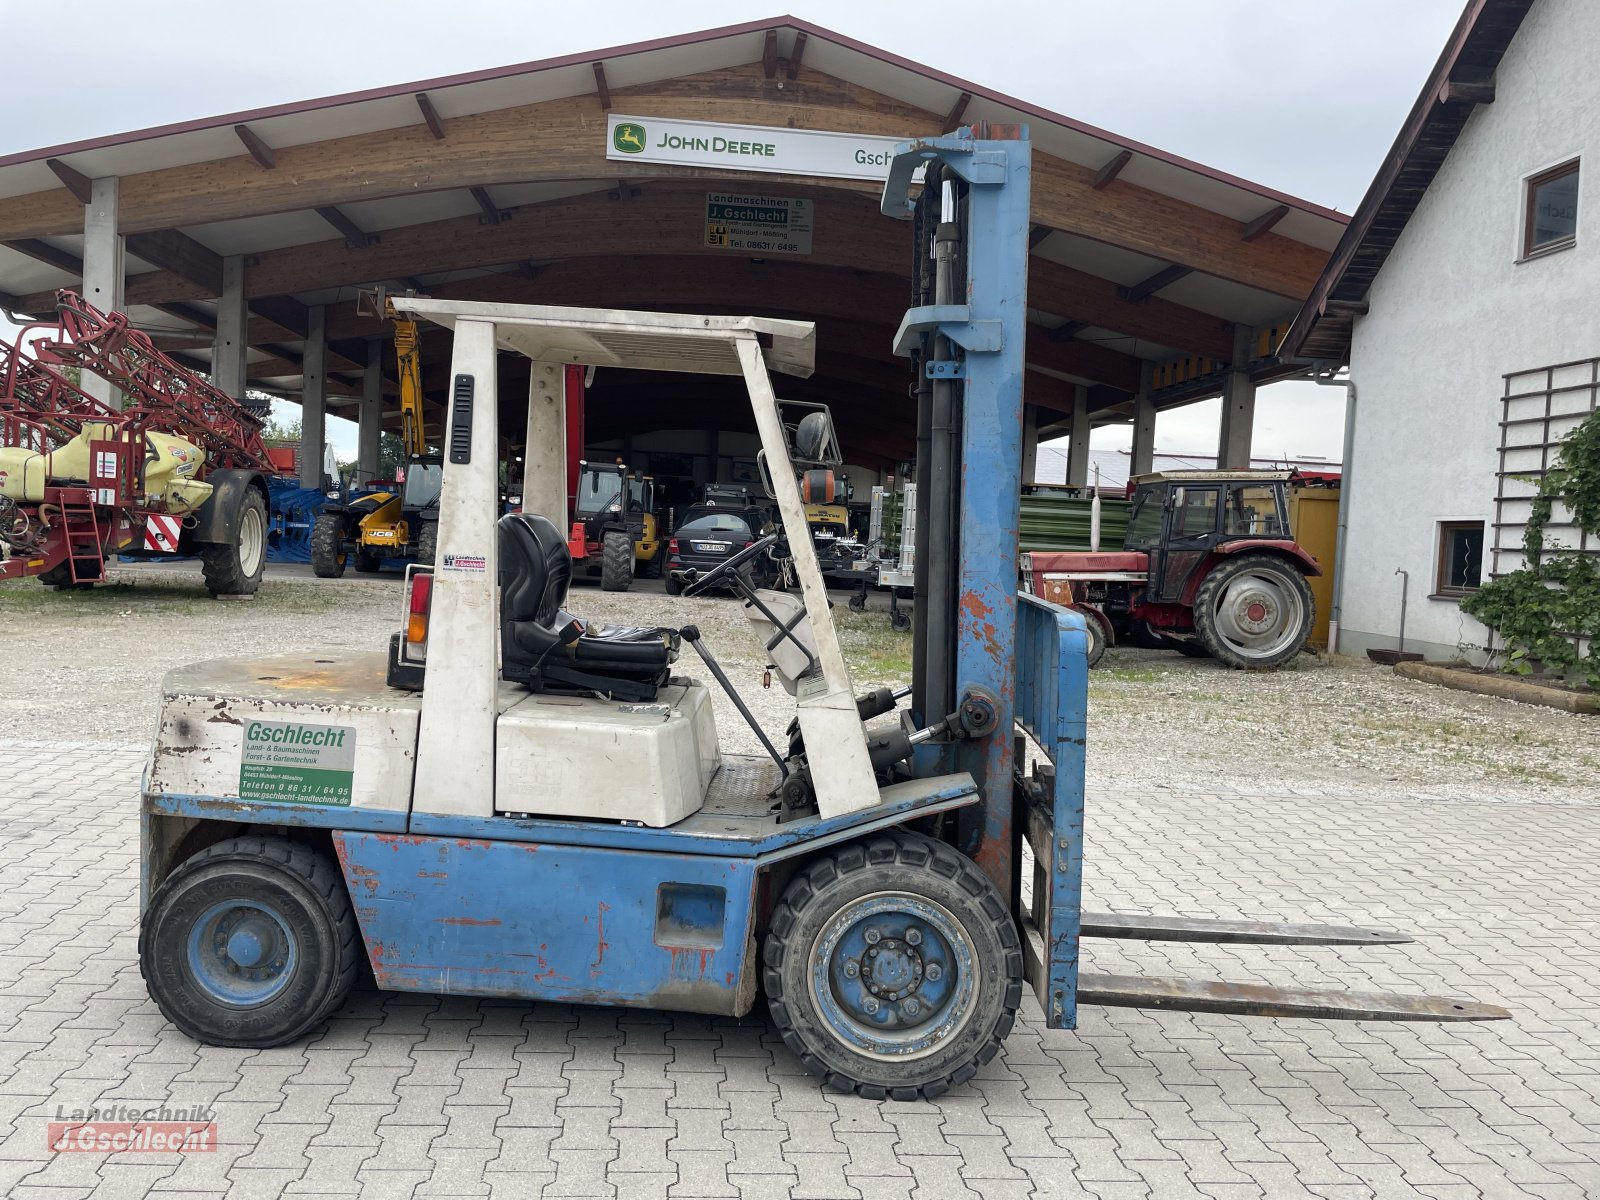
(600, 943)
(468, 921)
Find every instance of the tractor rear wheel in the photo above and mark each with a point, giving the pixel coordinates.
(1097, 640)
(1254, 612)
(328, 555)
(251, 942)
(616, 561)
(428, 544)
(234, 568)
(892, 967)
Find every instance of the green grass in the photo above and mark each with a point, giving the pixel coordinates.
(873, 650)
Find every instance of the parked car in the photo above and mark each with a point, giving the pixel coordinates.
(708, 538)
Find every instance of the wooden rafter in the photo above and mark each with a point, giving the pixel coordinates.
(430, 116)
(355, 237)
(769, 54)
(265, 158)
(74, 180)
(489, 213)
(795, 56)
(952, 119)
(1163, 278)
(1038, 234)
(1263, 224)
(1106, 174)
(601, 87)
(42, 251)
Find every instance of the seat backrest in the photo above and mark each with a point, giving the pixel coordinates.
(535, 568)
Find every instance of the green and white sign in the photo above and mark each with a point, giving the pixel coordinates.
(287, 762)
(758, 224)
(750, 147)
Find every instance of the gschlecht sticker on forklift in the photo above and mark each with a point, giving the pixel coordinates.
(291, 763)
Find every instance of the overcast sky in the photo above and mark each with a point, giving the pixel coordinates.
(1302, 95)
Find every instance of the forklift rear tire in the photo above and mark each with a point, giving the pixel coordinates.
(368, 563)
(653, 567)
(671, 586)
(616, 561)
(251, 942)
(892, 968)
(328, 555)
(234, 568)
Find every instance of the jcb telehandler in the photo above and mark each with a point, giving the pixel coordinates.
(385, 525)
(549, 816)
(614, 531)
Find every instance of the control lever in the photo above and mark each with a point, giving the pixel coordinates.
(691, 634)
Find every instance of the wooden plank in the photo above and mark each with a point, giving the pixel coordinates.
(1105, 175)
(555, 140)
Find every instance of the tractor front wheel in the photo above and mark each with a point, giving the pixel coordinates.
(234, 568)
(1254, 612)
(251, 942)
(892, 968)
(616, 561)
(328, 555)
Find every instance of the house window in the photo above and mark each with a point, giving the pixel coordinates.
(1552, 210)
(1460, 558)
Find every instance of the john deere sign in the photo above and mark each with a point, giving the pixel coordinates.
(749, 147)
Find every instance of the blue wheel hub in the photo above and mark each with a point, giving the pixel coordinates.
(893, 975)
(242, 953)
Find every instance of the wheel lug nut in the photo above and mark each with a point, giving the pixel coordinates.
(870, 1005)
(872, 936)
(934, 971)
(872, 953)
(852, 969)
(913, 937)
(911, 1007)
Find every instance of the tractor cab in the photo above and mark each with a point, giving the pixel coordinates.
(1178, 519)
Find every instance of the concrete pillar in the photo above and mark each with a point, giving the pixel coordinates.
(544, 458)
(369, 417)
(1030, 442)
(1144, 425)
(1238, 405)
(1078, 432)
(103, 268)
(314, 397)
(233, 336)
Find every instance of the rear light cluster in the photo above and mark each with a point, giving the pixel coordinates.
(672, 545)
(417, 610)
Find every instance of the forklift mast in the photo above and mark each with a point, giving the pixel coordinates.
(408, 360)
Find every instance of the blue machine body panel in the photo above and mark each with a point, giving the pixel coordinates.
(576, 924)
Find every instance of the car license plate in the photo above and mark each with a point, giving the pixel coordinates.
(712, 547)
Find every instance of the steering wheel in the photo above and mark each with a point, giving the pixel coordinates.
(701, 582)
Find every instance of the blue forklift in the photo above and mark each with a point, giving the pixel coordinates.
(514, 802)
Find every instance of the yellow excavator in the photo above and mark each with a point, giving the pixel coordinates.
(389, 526)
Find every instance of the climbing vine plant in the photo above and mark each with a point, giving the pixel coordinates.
(1539, 610)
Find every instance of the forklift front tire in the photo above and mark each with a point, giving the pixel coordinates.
(892, 968)
(251, 942)
(328, 555)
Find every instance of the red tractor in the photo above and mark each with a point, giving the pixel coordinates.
(1208, 567)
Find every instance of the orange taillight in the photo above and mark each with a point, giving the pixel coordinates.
(421, 602)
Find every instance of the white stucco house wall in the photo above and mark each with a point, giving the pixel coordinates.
(1470, 273)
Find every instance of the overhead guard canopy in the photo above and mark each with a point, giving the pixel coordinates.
(646, 341)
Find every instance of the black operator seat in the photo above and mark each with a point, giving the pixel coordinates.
(540, 645)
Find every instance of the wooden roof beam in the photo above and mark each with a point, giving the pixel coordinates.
(1038, 234)
(792, 68)
(430, 116)
(175, 251)
(42, 251)
(259, 150)
(601, 87)
(952, 119)
(769, 54)
(1251, 230)
(1106, 174)
(489, 213)
(354, 236)
(1467, 91)
(75, 181)
(1166, 277)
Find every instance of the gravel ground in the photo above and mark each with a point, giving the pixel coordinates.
(87, 665)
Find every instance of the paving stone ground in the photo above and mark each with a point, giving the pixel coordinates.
(410, 1096)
